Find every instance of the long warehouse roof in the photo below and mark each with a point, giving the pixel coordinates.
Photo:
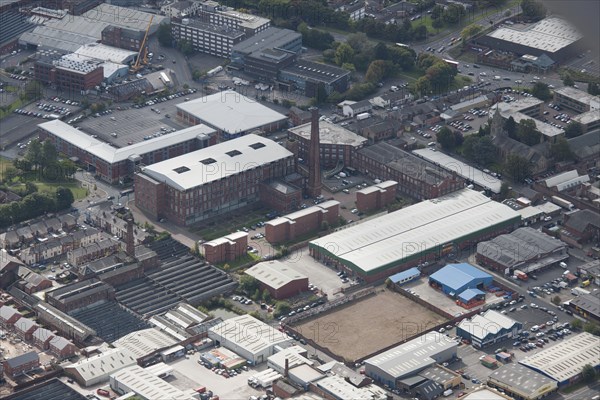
(258, 335)
(217, 162)
(110, 154)
(565, 360)
(463, 170)
(231, 112)
(377, 243)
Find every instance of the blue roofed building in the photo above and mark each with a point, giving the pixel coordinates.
(471, 294)
(454, 279)
(405, 276)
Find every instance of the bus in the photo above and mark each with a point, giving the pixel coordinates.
(402, 45)
(126, 192)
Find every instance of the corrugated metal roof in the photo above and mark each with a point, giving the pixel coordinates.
(455, 276)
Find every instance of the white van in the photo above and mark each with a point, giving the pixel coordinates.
(563, 264)
(431, 144)
(448, 392)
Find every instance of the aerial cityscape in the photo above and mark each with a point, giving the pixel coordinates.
(300, 199)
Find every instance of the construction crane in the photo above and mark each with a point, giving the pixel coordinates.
(137, 66)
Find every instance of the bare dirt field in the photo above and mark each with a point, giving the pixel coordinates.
(358, 329)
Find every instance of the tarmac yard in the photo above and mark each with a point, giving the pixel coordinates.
(359, 329)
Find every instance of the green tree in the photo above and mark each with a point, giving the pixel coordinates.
(568, 80)
(528, 132)
(34, 153)
(556, 300)
(257, 295)
(445, 138)
(576, 324)
(560, 151)
(186, 47)
(437, 24)
(504, 191)
(324, 226)
(380, 52)
(30, 187)
(510, 126)
(344, 54)
(588, 373)
(591, 327)
(573, 129)
(470, 31)
(422, 86)
(163, 33)
(420, 32)
(33, 91)
(593, 89)
(533, 10)
(49, 155)
(376, 71)
(541, 91)
(266, 296)
(10, 173)
(282, 308)
(248, 284)
(64, 198)
(517, 167)
(349, 67)
(480, 149)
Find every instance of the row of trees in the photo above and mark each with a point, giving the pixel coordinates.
(34, 205)
(525, 131)
(437, 77)
(450, 15)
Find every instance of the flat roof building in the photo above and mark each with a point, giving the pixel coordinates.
(402, 239)
(205, 37)
(279, 279)
(231, 114)
(553, 36)
(564, 361)
(587, 305)
(250, 338)
(337, 388)
(214, 180)
(488, 328)
(522, 382)
(335, 143)
(410, 358)
(525, 249)
(307, 76)
(270, 39)
(576, 100)
(113, 164)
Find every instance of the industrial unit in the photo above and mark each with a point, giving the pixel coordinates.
(250, 338)
(552, 36)
(410, 358)
(405, 238)
(489, 328)
(213, 181)
(231, 114)
(522, 382)
(564, 361)
(279, 279)
(146, 385)
(453, 279)
(525, 249)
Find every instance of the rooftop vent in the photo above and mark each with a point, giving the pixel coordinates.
(181, 170)
(233, 153)
(208, 161)
(257, 145)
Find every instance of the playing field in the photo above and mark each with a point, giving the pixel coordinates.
(361, 328)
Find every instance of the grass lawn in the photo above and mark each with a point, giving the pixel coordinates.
(243, 260)
(13, 106)
(78, 191)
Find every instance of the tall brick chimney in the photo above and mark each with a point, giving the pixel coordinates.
(287, 368)
(314, 156)
(130, 245)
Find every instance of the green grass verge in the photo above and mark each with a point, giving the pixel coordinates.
(239, 262)
(78, 192)
(13, 106)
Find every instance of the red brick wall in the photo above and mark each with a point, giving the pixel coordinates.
(149, 196)
(277, 233)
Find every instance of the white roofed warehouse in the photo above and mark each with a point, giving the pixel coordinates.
(405, 238)
(248, 337)
(231, 114)
(410, 358)
(564, 361)
(212, 181)
(489, 328)
(112, 164)
(280, 280)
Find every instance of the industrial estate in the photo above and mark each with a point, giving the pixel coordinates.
(344, 200)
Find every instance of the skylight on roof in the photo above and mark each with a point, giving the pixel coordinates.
(257, 145)
(233, 153)
(208, 161)
(181, 170)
